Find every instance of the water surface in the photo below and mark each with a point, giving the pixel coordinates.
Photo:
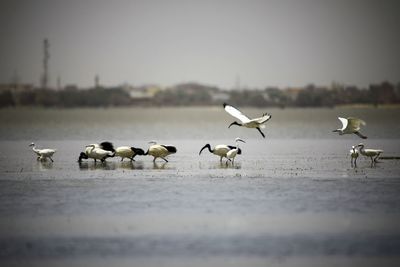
(292, 199)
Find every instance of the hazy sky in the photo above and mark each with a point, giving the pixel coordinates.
(278, 43)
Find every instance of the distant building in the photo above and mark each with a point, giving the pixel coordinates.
(142, 92)
(16, 87)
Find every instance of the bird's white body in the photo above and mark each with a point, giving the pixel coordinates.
(245, 121)
(233, 152)
(98, 153)
(371, 153)
(128, 152)
(351, 125)
(44, 153)
(160, 151)
(124, 152)
(353, 155)
(221, 150)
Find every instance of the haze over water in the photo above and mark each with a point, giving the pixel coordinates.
(291, 199)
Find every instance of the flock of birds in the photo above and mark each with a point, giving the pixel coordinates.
(106, 150)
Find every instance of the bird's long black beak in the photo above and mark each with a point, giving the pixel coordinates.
(233, 123)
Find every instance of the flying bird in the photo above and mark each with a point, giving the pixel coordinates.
(160, 151)
(351, 125)
(245, 121)
(44, 153)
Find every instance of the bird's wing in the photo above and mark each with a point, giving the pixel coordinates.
(47, 151)
(236, 113)
(344, 122)
(355, 123)
(264, 118)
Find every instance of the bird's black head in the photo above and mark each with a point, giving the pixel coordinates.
(239, 151)
(82, 155)
(138, 151)
(234, 123)
(206, 146)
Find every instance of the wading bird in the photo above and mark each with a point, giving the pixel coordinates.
(43, 154)
(353, 155)
(351, 125)
(221, 150)
(245, 121)
(128, 152)
(371, 153)
(98, 151)
(160, 151)
(233, 152)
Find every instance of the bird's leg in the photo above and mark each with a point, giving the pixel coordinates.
(376, 158)
(258, 128)
(360, 135)
(51, 159)
(355, 162)
(95, 161)
(220, 159)
(154, 160)
(132, 158)
(351, 161)
(165, 159)
(122, 159)
(372, 161)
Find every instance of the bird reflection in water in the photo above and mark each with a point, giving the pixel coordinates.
(43, 165)
(159, 166)
(83, 166)
(131, 165)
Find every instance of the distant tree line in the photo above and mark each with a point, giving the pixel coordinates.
(192, 94)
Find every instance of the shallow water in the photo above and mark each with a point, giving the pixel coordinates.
(292, 199)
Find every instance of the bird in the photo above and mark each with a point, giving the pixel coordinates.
(354, 155)
(98, 151)
(233, 152)
(128, 152)
(351, 125)
(43, 154)
(220, 150)
(245, 121)
(371, 153)
(160, 151)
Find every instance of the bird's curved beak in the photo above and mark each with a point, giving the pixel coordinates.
(233, 123)
(241, 140)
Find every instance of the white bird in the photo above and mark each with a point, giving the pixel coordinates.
(233, 152)
(351, 125)
(221, 150)
(160, 151)
(43, 154)
(128, 152)
(371, 153)
(245, 121)
(98, 151)
(353, 155)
